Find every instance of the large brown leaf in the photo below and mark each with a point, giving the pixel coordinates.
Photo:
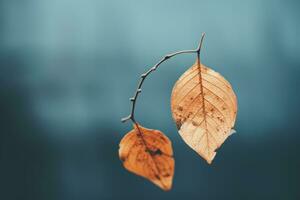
(204, 108)
(148, 153)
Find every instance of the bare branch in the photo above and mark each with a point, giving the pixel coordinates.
(144, 75)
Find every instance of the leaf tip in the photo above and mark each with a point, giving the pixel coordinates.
(211, 158)
(232, 131)
(167, 189)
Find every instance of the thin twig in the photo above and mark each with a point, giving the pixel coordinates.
(144, 75)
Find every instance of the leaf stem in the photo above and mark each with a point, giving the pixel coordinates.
(133, 99)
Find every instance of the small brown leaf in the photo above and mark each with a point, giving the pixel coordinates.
(204, 108)
(148, 153)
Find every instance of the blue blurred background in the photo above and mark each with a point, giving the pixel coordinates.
(68, 68)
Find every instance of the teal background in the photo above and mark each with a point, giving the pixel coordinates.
(67, 69)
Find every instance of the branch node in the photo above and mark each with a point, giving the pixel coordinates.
(139, 90)
(132, 99)
(167, 56)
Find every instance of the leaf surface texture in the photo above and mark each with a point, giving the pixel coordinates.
(148, 153)
(204, 107)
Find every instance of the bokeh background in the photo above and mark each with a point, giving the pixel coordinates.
(68, 68)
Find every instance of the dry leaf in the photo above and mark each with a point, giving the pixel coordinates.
(148, 153)
(204, 108)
